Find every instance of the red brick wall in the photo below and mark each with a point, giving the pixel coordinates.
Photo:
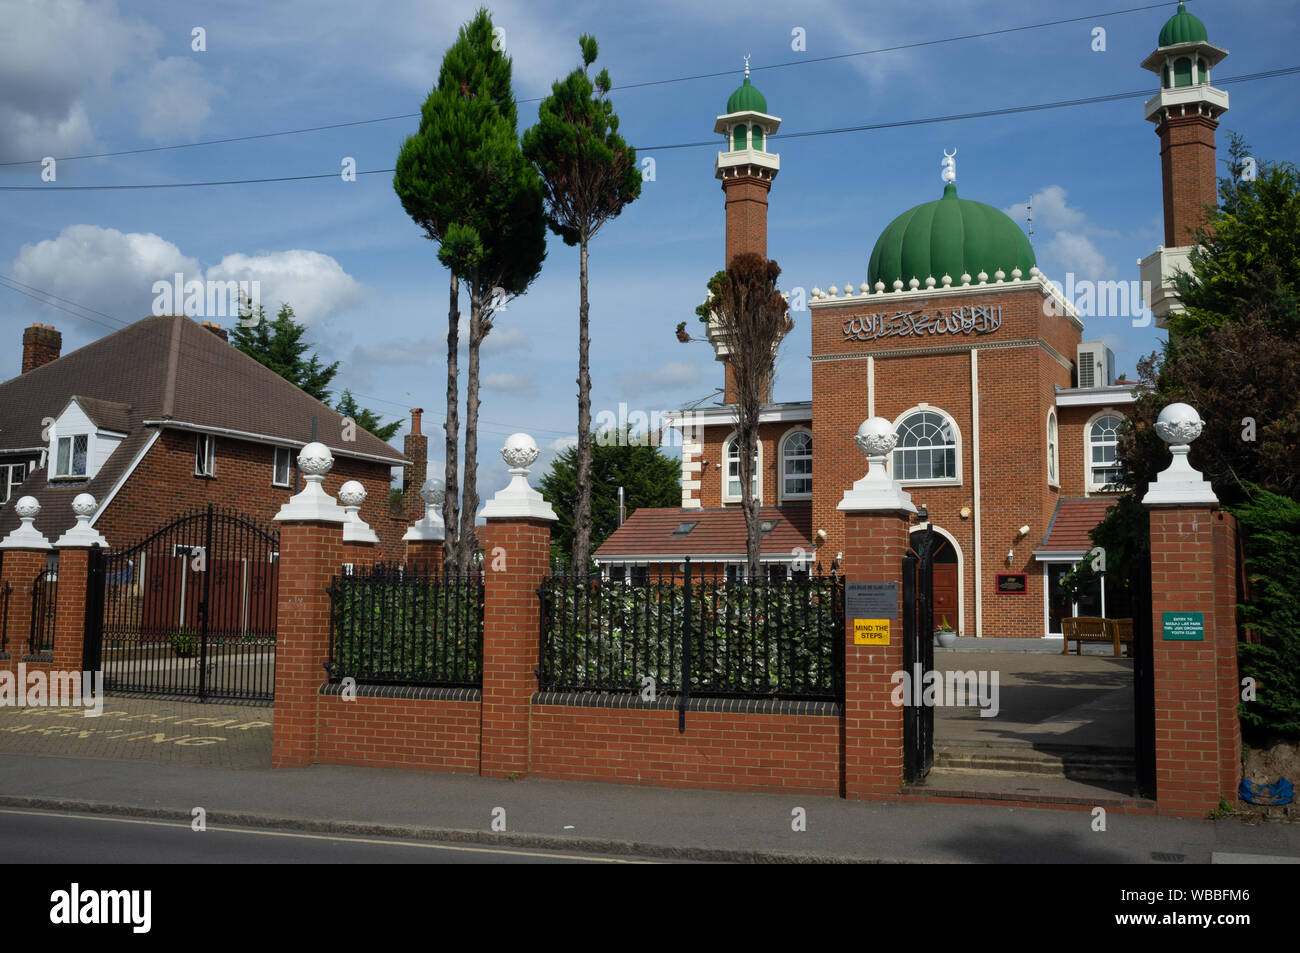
(725, 751)
(41, 344)
(746, 207)
(1189, 177)
(164, 486)
(429, 734)
(713, 477)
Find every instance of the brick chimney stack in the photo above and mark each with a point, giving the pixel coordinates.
(41, 344)
(218, 330)
(416, 449)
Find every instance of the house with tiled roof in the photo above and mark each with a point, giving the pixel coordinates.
(165, 415)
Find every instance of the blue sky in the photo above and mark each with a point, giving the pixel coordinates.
(80, 76)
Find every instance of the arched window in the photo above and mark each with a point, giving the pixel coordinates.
(757, 137)
(1183, 71)
(926, 449)
(738, 138)
(796, 466)
(731, 490)
(1202, 73)
(1103, 452)
(1053, 458)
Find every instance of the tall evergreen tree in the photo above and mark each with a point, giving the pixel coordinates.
(366, 419)
(279, 345)
(589, 174)
(463, 179)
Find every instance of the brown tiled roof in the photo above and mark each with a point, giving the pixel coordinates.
(1071, 524)
(648, 532)
(170, 371)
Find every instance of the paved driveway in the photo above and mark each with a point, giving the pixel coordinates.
(144, 729)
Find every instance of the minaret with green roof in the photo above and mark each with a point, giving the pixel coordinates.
(746, 168)
(1186, 113)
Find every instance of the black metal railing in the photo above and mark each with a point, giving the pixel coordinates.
(392, 626)
(778, 636)
(45, 602)
(5, 592)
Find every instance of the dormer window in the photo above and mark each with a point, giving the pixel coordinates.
(70, 456)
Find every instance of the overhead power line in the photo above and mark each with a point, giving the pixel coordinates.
(806, 61)
(866, 127)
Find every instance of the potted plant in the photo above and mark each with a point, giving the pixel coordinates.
(185, 642)
(946, 635)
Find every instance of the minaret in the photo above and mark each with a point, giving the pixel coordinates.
(746, 170)
(1186, 112)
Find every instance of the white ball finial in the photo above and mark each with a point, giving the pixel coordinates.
(1179, 424)
(876, 437)
(27, 507)
(315, 459)
(83, 504)
(433, 491)
(520, 451)
(352, 493)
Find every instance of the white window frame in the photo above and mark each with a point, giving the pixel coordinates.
(288, 466)
(1053, 449)
(726, 470)
(1087, 451)
(210, 462)
(782, 494)
(7, 484)
(957, 446)
(72, 444)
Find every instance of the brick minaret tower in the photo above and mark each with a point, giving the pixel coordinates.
(746, 170)
(1186, 112)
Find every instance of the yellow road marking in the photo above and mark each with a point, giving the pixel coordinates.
(326, 837)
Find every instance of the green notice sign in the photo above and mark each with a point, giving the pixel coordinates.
(1183, 626)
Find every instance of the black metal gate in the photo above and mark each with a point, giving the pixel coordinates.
(1144, 683)
(189, 611)
(918, 655)
(45, 602)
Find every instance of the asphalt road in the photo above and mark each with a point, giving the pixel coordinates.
(51, 837)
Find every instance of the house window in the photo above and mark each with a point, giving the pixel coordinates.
(11, 477)
(1053, 459)
(70, 457)
(1103, 452)
(733, 470)
(778, 573)
(735, 574)
(280, 470)
(796, 465)
(927, 448)
(205, 455)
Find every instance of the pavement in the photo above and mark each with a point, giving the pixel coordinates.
(626, 820)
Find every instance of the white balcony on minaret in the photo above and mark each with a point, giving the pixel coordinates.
(747, 126)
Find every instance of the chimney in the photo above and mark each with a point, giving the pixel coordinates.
(217, 330)
(416, 449)
(41, 344)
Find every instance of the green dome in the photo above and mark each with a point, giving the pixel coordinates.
(950, 236)
(746, 99)
(1182, 27)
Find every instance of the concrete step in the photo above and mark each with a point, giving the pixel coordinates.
(1075, 763)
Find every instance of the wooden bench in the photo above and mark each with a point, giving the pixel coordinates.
(1080, 629)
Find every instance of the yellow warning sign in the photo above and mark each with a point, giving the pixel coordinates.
(870, 631)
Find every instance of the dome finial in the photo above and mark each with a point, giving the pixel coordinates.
(746, 66)
(949, 165)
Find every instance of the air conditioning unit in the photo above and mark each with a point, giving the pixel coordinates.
(1096, 364)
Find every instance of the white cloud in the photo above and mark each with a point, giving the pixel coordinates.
(1077, 253)
(314, 284)
(65, 65)
(103, 268)
(415, 353)
(505, 340)
(522, 384)
(674, 374)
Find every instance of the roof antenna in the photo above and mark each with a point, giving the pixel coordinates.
(1029, 215)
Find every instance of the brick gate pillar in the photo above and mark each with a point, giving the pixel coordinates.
(311, 552)
(24, 558)
(74, 577)
(519, 526)
(876, 516)
(1194, 630)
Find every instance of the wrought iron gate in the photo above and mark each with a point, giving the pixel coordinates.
(1144, 683)
(189, 611)
(918, 655)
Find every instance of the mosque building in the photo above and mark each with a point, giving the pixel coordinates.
(1006, 409)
